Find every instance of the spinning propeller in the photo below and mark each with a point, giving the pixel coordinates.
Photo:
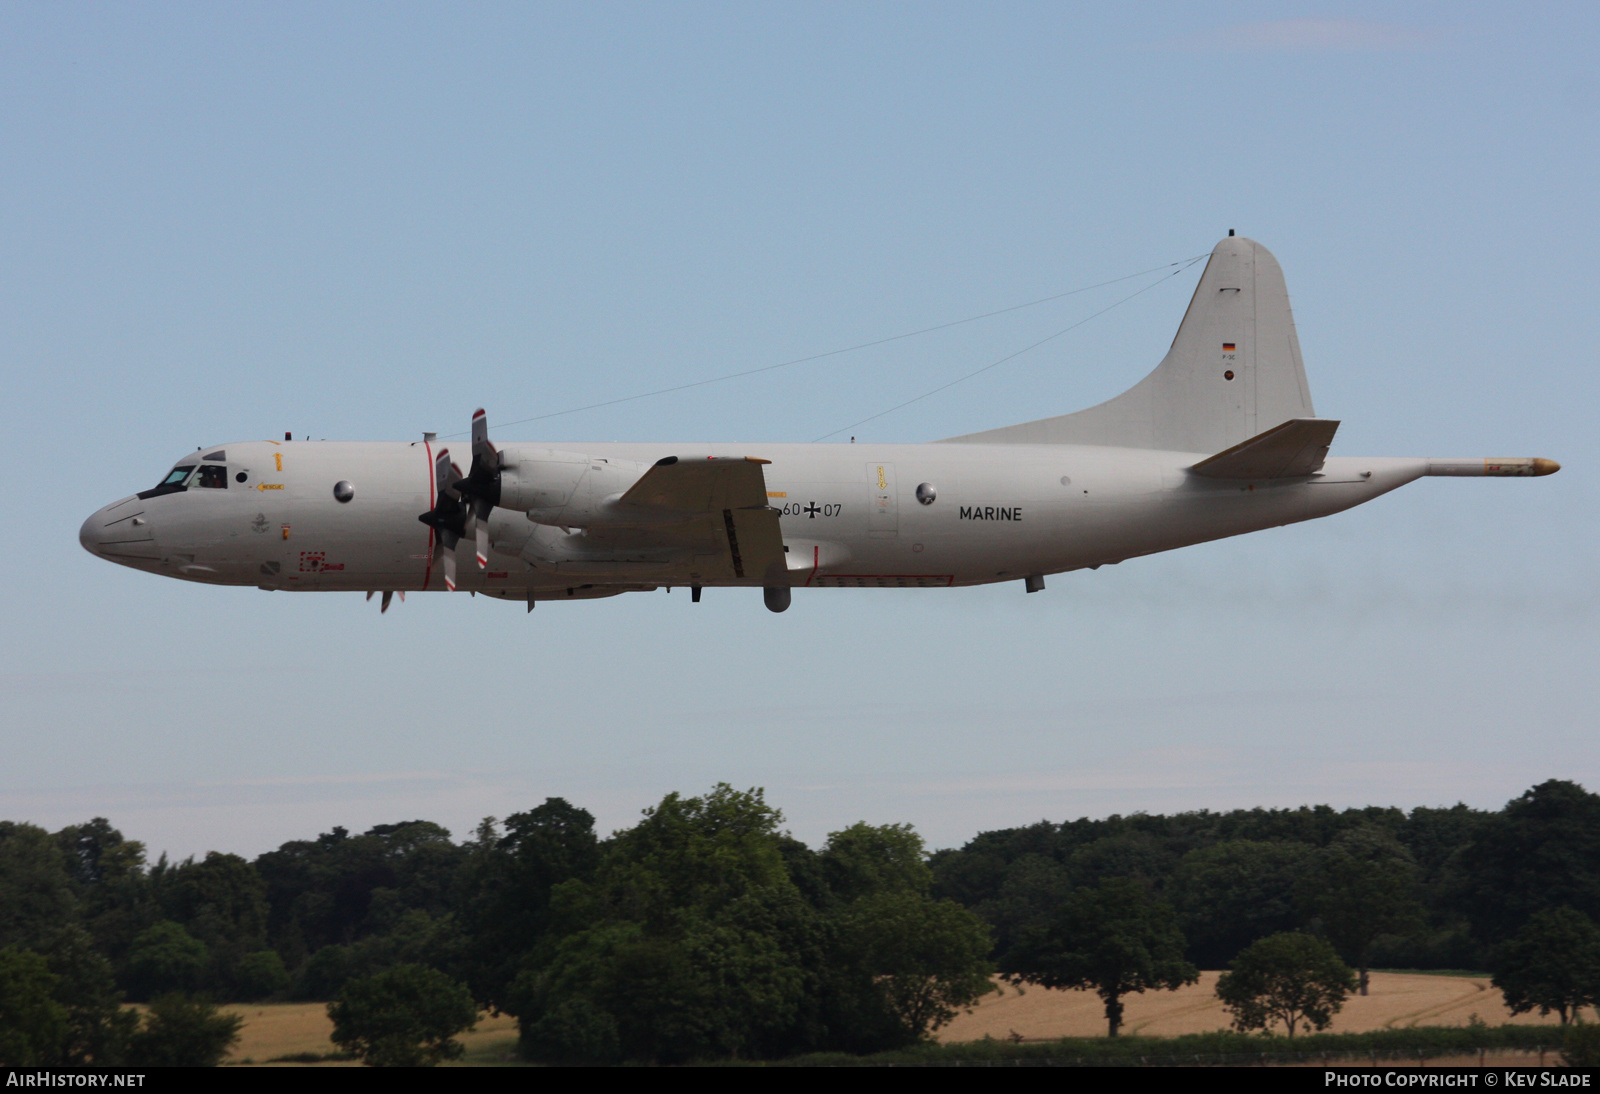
(462, 499)
(481, 487)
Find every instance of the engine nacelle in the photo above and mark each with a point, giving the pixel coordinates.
(567, 489)
(539, 478)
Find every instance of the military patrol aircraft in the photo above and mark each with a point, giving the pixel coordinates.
(1219, 440)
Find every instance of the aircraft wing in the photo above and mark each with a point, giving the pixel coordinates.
(690, 485)
(1294, 449)
(713, 509)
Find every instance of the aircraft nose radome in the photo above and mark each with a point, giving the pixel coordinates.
(119, 532)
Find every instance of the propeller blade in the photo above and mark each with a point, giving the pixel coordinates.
(383, 605)
(463, 500)
(482, 450)
(481, 509)
(449, 514)
(441, 474)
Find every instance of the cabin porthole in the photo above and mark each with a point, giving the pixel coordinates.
(926, 492)
(343, 491)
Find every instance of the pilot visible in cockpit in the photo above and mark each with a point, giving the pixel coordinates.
(211, 475)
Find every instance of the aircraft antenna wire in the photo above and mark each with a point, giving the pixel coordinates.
(1012, 356)
(1184, 263)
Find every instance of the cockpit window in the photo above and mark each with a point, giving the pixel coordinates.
(212, 475)
(219, 456)
(174, 482)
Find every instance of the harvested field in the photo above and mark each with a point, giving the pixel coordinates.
(275, 1030)
(1396, 1000)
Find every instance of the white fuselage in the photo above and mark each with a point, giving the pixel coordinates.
(851, 515)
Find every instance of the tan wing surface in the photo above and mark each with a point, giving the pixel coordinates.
(714, 509)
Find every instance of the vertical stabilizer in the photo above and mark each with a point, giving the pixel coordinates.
(1233, 371)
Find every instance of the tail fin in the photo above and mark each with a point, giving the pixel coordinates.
(1233, 371)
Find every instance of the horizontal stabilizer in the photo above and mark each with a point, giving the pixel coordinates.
(1292, 450)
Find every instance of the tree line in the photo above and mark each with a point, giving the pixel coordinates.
(1435, 888)
(706, 931)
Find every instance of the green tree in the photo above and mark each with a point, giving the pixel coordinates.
(867, 858)
(417, 939)
(261, 974)
(36, 895)
(99, 1027)
(1033, 888)
(1129, 854)
(33, 1026)
(1231, 893)
(114, 894)
(221, 901)
(693, 941)
(927, 959)
(1580, 1045)
(181, 1031)
(1293, 978)
(1540, 853)
(165, 958)
(509, 879)
(702, 851)
(1112, 939)
(1362, 887)
(406, 1016)
(340, 889)
(577, 1030)
(1553, 963)
(685, 940)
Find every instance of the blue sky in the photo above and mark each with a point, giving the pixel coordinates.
(363, 221)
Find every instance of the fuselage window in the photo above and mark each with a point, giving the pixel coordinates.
(213, 476)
